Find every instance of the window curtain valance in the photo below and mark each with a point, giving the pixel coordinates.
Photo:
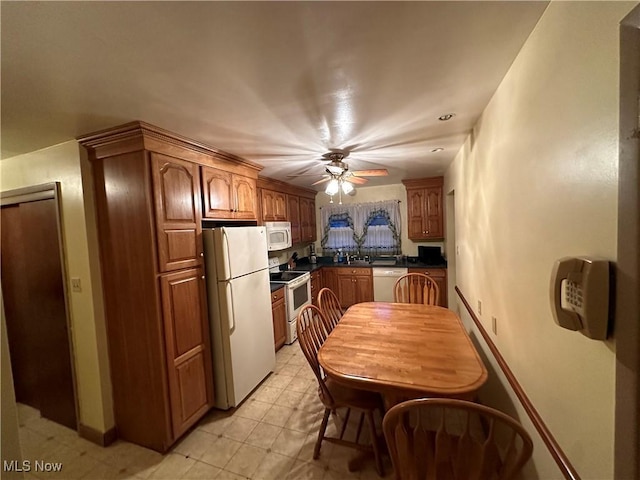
(362, 228)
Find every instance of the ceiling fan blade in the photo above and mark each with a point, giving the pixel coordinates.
(306, 175)
(381, 172)
(356, 180)
(321, 181)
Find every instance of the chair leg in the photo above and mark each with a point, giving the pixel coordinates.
(323, 429)
(374, 442)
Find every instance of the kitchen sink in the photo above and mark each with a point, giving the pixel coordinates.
(384, 263)
(359, 262)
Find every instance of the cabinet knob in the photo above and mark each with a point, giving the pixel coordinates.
(202, 254)
(202, 277)
(275, 296)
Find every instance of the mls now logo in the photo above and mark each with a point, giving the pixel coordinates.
(26, 466)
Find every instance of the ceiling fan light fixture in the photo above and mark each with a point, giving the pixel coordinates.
(347, 187)
(332, 187)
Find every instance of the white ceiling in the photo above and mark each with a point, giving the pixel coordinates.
(278, 83)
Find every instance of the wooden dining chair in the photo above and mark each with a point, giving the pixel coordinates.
(447, 439)
(312, 332)
(330, 306)
(416, 288)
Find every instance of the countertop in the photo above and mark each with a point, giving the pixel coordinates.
(275, 286)
(303, 266)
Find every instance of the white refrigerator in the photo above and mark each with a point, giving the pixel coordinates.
(239, 311)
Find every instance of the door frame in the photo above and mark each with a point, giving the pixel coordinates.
(627, 304)
(47, 191)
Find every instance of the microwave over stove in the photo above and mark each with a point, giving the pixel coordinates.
(278, 235)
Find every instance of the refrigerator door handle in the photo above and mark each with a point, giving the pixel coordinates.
(226, 253)
(228, 290)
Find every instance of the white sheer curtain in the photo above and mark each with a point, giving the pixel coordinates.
(380, 239)
(335, 238)
(356, 234)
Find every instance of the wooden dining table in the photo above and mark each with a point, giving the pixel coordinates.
(403, 351)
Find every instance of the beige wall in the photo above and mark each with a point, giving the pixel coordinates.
(375, 194)
(537, 180)
(61, 163)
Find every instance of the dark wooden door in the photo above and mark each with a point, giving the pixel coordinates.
(35, 309)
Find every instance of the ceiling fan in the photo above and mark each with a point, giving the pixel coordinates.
(340, 177)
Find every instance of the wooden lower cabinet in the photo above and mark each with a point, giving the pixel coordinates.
(440, 276)
(316, 285)
(351, 285)
(187, 346)
(279, 313)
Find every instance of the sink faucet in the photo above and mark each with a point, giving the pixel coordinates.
(348, 259)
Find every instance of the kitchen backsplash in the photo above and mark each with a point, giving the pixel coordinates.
(283, 256)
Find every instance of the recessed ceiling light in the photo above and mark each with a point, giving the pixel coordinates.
(439, 149)
(446, 116)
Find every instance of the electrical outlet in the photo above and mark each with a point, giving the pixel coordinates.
(494, 325)
(76, 286)
(479, 307)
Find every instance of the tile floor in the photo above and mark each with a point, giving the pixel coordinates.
(270, 436)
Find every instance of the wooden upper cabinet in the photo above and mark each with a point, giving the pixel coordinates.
(176, 191)
(425, 214)
(274, 206)
(188, 347)
(227, 195)
(245, 192)
(293, 216)
(308, 219)
(216, 193)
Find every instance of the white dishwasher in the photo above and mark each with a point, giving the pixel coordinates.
(383, 281)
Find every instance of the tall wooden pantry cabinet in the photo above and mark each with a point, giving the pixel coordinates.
(148, 195)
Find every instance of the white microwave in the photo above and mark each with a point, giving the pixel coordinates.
(278, 235)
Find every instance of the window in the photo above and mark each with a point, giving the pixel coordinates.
(365, 228)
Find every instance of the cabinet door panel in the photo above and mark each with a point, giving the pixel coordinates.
(279, 312)
(364, 286)
(434, 213)
(191, 388)
(308, 219)
(216, 193)
(244, 189)
(348, 290)
(293, 216)
(268, 205)
(280, 204)
(176, 186)
(415, 209)
(188, 353)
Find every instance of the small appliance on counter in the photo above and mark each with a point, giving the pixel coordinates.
(312, 254)
(431, 255)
